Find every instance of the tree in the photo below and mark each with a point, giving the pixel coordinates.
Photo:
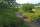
(27, 7)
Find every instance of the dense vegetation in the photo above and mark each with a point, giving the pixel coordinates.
(8, 12)
(30, 10)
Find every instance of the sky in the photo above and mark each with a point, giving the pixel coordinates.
(27, 1)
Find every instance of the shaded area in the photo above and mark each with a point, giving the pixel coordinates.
(35, 25)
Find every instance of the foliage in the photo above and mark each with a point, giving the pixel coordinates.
(17, 9)
(7, 14)
(2, 5)
(27, 7)
(7, 4)
(36, 18)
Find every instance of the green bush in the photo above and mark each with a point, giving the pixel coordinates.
(7, 16)
(36, 18)
(27, 7)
